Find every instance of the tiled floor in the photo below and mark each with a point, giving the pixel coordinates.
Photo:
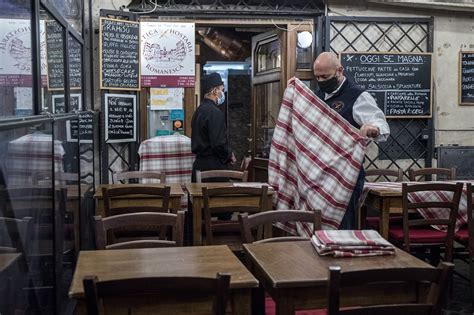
(460, 300)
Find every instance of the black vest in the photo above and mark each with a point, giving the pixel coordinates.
(343, 101)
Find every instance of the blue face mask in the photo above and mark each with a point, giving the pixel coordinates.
(221, 98)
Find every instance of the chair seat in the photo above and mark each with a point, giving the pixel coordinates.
(418, 235)
(373, 222)
(270, 309)
(462, 235)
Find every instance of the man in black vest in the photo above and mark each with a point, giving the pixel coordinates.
(358, 107)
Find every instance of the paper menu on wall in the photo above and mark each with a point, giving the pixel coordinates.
(166, 98)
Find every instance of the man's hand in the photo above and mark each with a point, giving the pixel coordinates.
(369, 131)
(233, 160)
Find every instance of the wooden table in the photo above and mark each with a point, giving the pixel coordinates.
(386, 201)
(10, 281)
(195, 194)
(7, 260)
(296, 276)
(136, 200)
(196, 261)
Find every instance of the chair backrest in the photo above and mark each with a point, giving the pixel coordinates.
(222, 174)
(113, 196)
(175, 287)
(220, 200)
(470, 217)
(421, 174)
(385, 174)
(450, 202)
(258, 170)
(146, 221)
(438, 277)
(118, 177)
(249, 222)
(15, 235)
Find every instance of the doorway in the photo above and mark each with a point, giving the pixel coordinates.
(255, 61)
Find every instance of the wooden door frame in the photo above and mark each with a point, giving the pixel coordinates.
(192, 95)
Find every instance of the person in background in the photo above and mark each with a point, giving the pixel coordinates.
(209, 138)
(358, 107)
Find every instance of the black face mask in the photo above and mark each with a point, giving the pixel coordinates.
(328, 86)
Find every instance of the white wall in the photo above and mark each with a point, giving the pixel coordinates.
(454, 124)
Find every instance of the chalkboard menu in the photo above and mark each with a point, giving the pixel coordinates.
(75, 63)
(55, 55)
(59, 106)
(400, 82)
(119, 54)
(85, 130)
(120, 118)
(466, 77)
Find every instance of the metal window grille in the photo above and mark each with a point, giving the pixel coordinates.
(410, 144)
(229, 7)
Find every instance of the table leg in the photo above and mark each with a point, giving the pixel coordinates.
(241, 302)
(384, 218)
(175, 204)
(285, 306)
(197, 221)
(258, 300)
(362, 217)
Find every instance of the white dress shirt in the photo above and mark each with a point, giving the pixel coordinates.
(366, 111)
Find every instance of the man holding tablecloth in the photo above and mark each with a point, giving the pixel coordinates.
(319, 144)
(356, 106)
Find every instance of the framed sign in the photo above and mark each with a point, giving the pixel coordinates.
(120, 118)
(119, 54)
(399, 82)
(59, 106)
(84, 130)
(54, 55)
(168, 54)
(466, 78)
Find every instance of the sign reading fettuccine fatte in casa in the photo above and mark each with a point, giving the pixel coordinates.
(167, 54)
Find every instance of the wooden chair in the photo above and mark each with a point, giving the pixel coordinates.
(417, 233)
(465, 236)
(258, 170)
(249, 222)
(385, 174)
(222, 174)
(421, 174)
(113, 198)
(118, 177)
(158, 288)
(376, 174)
(15, 235)
(438, 277)
(143, 220)
(219, 200)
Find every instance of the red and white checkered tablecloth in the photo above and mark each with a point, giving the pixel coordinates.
(426, 196)
(315, 158)
(351, 243)
(169, 154)
(31, 154)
